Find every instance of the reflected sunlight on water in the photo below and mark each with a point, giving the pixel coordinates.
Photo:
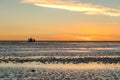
(82, 66)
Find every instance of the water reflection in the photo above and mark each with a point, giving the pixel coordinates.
(63, 66)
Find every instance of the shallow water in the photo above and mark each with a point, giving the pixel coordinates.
(60, 61)
(22, 49)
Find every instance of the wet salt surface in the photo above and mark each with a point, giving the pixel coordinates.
(53, 73)
(39, 71)
(63, 59)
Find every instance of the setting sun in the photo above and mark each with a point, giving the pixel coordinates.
(84, 38)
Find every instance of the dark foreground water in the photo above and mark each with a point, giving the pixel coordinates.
(59, 60)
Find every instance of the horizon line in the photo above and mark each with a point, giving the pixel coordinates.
(63, 40)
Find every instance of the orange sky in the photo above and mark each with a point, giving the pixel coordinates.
(90, 32)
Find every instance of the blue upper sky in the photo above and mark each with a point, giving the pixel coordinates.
(109, 3)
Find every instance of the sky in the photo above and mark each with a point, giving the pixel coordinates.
(81, 20)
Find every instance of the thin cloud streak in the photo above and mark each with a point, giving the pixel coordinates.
(78, 7)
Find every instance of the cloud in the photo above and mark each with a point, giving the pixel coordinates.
(71, 5)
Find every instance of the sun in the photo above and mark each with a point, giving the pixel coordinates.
(84, 38)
